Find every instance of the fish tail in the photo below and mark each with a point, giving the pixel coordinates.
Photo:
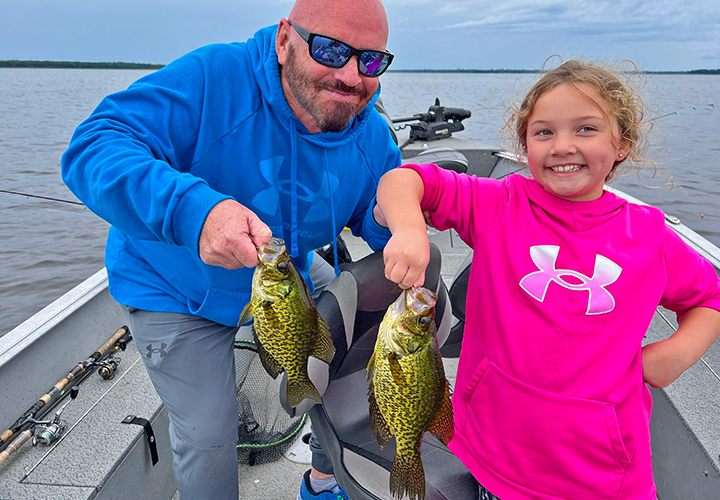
(407, 477)
(300, 389)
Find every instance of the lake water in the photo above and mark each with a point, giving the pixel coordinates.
(48, 247)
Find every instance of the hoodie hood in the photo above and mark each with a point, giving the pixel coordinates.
(575, 215)
(263, 55)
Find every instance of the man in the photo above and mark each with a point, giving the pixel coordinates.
(202, 160)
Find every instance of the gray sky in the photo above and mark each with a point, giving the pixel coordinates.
(424, 34)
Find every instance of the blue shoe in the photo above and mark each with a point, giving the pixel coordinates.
(307, 493)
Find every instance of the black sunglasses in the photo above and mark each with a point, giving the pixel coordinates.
(335, 54)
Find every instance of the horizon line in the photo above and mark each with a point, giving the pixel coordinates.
(60, 64)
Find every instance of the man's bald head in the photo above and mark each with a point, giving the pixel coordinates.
(326, 98)
(362, 24)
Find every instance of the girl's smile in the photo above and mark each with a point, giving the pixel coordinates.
(572, 145)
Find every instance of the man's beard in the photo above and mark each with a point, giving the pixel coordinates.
(330, 116)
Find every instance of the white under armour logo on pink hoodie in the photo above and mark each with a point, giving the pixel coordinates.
(606, 272)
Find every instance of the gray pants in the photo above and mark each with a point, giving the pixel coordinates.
(191, 363)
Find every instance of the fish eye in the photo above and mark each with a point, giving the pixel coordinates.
(282, 266)
(424, 320)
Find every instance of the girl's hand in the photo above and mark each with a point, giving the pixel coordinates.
(664, 361)
(406, 256)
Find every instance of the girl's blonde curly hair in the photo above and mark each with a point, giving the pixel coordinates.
(626, 106)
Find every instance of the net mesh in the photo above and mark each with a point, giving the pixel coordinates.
(265, 430)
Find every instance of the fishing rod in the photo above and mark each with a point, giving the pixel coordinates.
(48, 431)
(28, 195)
(87, 412)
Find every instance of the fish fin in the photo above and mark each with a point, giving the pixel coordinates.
(370, 367)
(407, 476)
(307, 293)
(443, 427)
(271, 316)
(299, 389)
(324, 348)
(272, 367)
(378, 425)
(396, 370)
(246, 315)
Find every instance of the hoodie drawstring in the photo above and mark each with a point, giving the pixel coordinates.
(332, 214)
(294, 251)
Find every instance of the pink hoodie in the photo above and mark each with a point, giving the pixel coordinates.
(549, 400)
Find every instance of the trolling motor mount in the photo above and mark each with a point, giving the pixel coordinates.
(438, 123)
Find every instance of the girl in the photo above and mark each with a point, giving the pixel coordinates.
(550, 400)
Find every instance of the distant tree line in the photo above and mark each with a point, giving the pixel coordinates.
(127, 65)
(521, 71)
(77, 65)
(464, 71)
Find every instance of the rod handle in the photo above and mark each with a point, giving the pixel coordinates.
(14, 446)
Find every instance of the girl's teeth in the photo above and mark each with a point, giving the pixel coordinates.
(565, 168)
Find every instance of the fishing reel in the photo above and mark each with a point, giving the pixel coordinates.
(438, 123)
(46, 432)
(107, 367)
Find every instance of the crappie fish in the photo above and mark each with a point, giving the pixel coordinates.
(287, 327)
(408, 392)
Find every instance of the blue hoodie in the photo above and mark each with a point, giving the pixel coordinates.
(154, 159)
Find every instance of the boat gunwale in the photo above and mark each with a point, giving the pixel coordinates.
(36, 326)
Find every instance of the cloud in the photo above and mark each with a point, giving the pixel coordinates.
(661, 34)
(661, 18)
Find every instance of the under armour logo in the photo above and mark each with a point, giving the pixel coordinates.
(154, 350)
(268, 200)
(606, 272)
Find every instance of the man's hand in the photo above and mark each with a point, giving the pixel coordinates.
(230, 234)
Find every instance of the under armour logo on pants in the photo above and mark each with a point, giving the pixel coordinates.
(154, 350)
(606, 272)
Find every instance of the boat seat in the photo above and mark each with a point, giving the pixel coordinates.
(443, 157)
(458, 297)
(354, 305)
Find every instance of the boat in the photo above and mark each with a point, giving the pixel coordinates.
(102, 455)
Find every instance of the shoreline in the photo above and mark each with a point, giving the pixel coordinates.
(128, 65)
(76, 65)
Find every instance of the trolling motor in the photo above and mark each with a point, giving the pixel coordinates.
(438, 123)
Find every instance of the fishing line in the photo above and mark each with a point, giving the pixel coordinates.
(68, 211)
(17, 193)
(28, 472)
(662, 116)
(513, 172)
(710, 105)
(701, 358)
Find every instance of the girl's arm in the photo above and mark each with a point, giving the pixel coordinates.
(407, 254)
(664, 361)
